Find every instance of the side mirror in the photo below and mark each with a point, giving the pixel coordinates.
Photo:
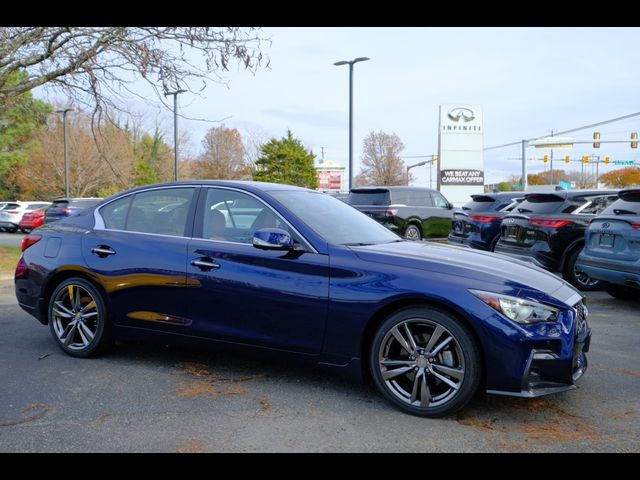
(450, 205)
(272, 239)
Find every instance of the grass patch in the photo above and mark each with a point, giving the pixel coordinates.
(8, 260)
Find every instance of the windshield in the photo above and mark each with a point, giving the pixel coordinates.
(333, 220)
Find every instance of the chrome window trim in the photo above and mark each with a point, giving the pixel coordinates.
(99, 222)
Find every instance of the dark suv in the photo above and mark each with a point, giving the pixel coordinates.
(411, 212)
(64, 207)
(612, 247)
(548, 230)
(477, 223)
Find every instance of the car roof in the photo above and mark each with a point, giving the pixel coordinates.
(498, 195)
(571, 194)
(395, 188)
(248, 185)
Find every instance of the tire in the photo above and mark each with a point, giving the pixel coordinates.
(413, 232)
(494, 242)
(12, 229)
(580, 280)
(26, 230)
(621, 292)
(76, 340)
(459, 362)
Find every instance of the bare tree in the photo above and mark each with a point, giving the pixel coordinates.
(381, 160)
(95, 65)
(254, 139)
(223, 156)
(91, 172)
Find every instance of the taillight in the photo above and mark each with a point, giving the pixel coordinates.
(29, 240)
(635, 226)
(66, 211)
(391, 211)
(21, 269)
(549, 222)
(483, 218)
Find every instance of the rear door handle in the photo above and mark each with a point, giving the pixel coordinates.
(205, 264)
(103, 250)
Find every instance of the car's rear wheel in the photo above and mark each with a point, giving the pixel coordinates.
(11, 229)
(25, 230)
(577, 277)
(78, 318)
(622, 292)
(413, 233)
(425, 362)
(494, 242)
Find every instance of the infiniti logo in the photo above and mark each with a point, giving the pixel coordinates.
(466, 114)
(605, 225)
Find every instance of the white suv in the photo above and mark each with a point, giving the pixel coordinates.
(11, 213)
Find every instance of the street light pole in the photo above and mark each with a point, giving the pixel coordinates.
(175, 131)
(351, 63)
(66, 158)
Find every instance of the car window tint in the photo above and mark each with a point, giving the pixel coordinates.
(629, 204)
(369, 197)
(161, 212)
(480, 203)
(543, 203)
(596, 204)
(420, 198)
(84, 203)
(400, 198)
(234, 216)
(114, 214)
(439, 201)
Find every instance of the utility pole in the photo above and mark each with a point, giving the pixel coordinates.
(322, 152)
(66, 159)
(524, 166)
(175, 131)
(551, 171)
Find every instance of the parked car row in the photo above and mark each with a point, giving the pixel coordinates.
(25, 216)
(591, 237)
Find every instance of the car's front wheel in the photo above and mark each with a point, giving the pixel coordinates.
(78, 318)
(425, 361)
(413, 233)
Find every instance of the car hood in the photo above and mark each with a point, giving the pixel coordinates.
(480, 267)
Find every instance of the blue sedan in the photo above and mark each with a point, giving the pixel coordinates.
(290, 270)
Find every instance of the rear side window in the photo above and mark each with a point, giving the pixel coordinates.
(411, 198)
(114, 214)
(595, 205)
(541, 204)
(11, 206)
(369, 197)
(627, 205)
(84, 203)
(162, 212)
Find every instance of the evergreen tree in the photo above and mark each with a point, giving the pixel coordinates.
(286, 161)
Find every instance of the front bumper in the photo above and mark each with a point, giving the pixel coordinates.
(555, 369)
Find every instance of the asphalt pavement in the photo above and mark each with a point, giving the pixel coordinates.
(11, 239)
(143, 398)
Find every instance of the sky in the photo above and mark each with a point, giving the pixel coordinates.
(529, 81)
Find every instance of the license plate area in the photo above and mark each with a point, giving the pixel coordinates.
(607, 240)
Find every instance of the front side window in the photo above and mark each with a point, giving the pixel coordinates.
(163, 211)
(234, 216)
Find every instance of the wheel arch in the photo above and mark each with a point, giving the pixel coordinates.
(60, 276)
(578, 242)
(386, 310)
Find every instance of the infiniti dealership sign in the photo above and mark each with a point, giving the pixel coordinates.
(460, 144)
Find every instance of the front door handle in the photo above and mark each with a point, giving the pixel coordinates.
(103, 250)
(205, 264)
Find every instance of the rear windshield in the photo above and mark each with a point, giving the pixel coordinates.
(540, 204)
(369, 197)
(629, 205)
(59, 203)
(480, 203)
(9, 206)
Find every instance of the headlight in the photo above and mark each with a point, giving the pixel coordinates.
(518, 309)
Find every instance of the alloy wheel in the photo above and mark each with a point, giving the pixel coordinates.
(75, 317)
(412, 233)
(421, 363)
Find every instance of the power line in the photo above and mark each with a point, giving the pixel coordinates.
(519, 142)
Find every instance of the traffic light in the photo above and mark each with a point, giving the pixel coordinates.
(634, 136)
(607, 159)
(567, 159)
(596, 136)
(545, 158)
(585, 159)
